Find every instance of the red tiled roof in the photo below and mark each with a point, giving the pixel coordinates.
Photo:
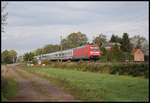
(134, 50)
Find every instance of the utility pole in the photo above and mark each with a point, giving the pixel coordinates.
(61, 46)
(13, 59)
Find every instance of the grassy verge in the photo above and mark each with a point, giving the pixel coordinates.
(88, 86)
(8, 86)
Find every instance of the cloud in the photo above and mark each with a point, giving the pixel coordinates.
(45, 15)
(32, 25)
(37, 36)
(73, 12)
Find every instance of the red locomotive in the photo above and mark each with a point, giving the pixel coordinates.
(86, 52)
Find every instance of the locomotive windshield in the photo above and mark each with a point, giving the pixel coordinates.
(94, 48)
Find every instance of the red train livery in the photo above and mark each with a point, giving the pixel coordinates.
(86, 52)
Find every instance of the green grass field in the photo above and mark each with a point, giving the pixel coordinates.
(88, 86)
(8, 86)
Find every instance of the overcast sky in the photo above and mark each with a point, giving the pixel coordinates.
(32, 25)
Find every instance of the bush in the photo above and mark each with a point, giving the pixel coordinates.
(45, 61)
(34, 61)
(133, 69)
(103, 58)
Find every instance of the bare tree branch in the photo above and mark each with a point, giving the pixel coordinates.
(4, 16)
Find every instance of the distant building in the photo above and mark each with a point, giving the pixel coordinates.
(110, 45)
(138, 55)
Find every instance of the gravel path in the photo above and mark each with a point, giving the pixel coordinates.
(37, 89)
(25, 90)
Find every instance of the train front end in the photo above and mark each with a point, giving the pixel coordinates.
(94, 52)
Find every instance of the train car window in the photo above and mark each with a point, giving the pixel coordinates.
(94, 48)
(68, 53)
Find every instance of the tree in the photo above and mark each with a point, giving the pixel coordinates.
(115, 39)
(9, 57)
(90, 43)
(140, 42)
(6, 59)
(50, 48)
(113, 54)
(47, 48)
(4, 16)
(145, 48)
(103, 51)
(13, 55)
(138, 46)
(126, 46)
(76, 39)
(65, 44)
(100, 40)
(37, 51)
(117, 53)
(20, 59)
(28, 56)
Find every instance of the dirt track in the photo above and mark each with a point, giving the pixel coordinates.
(37, 89)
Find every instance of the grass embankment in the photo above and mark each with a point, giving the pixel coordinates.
(88, 86)
(8, 84)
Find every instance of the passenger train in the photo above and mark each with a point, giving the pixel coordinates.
(86, 52)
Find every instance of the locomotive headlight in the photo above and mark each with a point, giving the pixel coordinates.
(91, 52)
(97, 52)
(94, 52)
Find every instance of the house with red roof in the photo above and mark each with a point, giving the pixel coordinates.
(138, 55)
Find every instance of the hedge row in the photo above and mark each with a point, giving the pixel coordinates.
(132, 69)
